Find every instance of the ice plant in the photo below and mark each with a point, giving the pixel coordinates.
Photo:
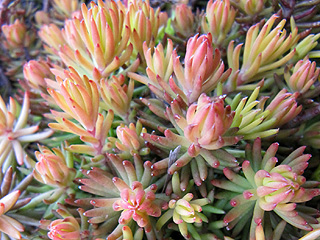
(251, 118)
(218, 20)
(15, 132)
(159, 63)
(185, 211)
(267, 187)
(265, 53)
(146, 112)
(305, 46)
(54, 170)
(68, 227)
(205, 124)
(254, 119)
(202, 72)
(250, 7)
(78, 98)
(66, 8)
(283, 107)
(52, 37)
(143, 22)
(136, 204)
(203, 69)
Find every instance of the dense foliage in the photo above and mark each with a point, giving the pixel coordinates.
(159, 120)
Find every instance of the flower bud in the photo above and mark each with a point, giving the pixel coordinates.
(35, 73)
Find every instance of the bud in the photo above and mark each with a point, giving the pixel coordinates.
(129, 140)
(218, 20)
(203, 69)
(52, 169)
(304, 74)
(283, 107)
(184, 211)
(117, 95)
(184, 20)
(67, 228)
(16, 35)
(35, 73)
(205, 124)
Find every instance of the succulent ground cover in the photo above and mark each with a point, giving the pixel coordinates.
(159, 119)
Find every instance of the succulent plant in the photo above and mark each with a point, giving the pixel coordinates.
(141, 119)
(267, 187)
(14, 132)
(126, 199)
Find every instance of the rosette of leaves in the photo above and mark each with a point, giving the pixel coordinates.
(15, 132)
(70, 225)
(183, 210)
(201, 132)
(78, 97)
(129, 141)
(266, 51)
(126, 198)
(301, 78)
(265, 192)
(92, 50)
(203, 70)
(254, 119)
(55, 171)
(219, 20)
